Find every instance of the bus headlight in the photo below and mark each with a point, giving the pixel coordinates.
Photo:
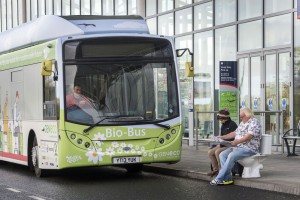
(87, 145)
(168, 136)
(161, 140)
(79, 141)
(73, 136)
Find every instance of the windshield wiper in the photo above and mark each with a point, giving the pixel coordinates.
(165, 126)
(104, 118)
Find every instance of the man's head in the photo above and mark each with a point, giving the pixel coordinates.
(223, 115)
(246, 114)
(77, 89)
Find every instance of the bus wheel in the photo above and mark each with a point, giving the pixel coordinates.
(35, 160)
(134, 168)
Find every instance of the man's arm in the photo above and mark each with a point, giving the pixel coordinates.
(228, 136)
(247, 137)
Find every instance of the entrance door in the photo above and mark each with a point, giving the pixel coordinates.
(265, 87)
(278, 92)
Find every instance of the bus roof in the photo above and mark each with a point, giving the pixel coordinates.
(50, 27)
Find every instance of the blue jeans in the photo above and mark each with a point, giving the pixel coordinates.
(228, 157)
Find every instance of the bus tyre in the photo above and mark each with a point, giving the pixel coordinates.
(35, 160)
(134, 168)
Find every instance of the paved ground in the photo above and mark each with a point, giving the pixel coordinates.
(280, 173)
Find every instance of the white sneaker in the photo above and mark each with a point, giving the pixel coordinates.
(216, 182)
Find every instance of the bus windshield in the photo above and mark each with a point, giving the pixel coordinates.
(132, 83)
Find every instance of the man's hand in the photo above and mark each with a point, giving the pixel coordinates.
(234, 142)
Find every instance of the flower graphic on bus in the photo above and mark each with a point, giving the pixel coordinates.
(110, 151)
(94, 155)
(98, 138)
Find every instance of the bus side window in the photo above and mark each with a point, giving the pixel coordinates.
(50, 104)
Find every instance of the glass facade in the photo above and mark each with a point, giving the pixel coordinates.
(257, 34)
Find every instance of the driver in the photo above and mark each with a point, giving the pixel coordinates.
(77, 99)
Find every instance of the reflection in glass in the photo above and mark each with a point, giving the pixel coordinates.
(243, 69)
(96, 7)
(120, 7)
(284, 87)
(272, 6)
(248, 9)
(66, 7)
(49, 7)
(180, 3)
(165, 24)
(132, 7)
(203, 69)
(250, 35)
(183, 20)
(75, 9)
(152, 25)
(85, 7)
(203, 16)
(150, 7)
(225, 41)
(42, 7)
(34, 8)
(57, 7)
(278, 30)
(225, 11)
(255, 82)
(108, 7)
(165, 5)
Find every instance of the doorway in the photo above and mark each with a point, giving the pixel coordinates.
(265, 81)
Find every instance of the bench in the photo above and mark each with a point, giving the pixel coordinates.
(291, 135)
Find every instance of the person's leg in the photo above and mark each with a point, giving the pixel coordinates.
(234, 155)
(217, 155)
(213, 159)
(223, 157)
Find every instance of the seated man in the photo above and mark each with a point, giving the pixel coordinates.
(227, 127)
(79, 107)
(246, 143)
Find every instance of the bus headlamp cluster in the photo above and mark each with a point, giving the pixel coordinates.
(79, 141)
(167, 135)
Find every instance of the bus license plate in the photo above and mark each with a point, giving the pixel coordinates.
(124, 160)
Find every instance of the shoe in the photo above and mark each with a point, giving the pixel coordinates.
(212, 173)
(216, 182)
(229, 182)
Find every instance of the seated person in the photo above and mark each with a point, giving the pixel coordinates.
(227, 126)
(246, 143)
(85, 109)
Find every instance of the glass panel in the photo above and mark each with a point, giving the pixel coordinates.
(96, 7)
(34, 9)
(150, 7)
(278, 30)
(66, 7)
(165, 25)
(15, 13)
(272, 6)
(152, 25)
(120, 7)
(132, 9)
(180, 3)
(249, 9)
(165, 5)
(203, 66)
(185, 82)
(225, 41)
(225, 11)
(28, 11)
(21, 14)
(296, 101)
(183, 20)
(250, 35)
(255, 83)
(49, 7)
(9, 14)
(284, 87)
(271, 94)
(203, 16)
(243, 69)
(75, 9)
(42, 8)
(108, 7)
(85, 7)
(57, 7)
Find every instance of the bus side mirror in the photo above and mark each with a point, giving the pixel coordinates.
(189, 69)
(46, 68)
